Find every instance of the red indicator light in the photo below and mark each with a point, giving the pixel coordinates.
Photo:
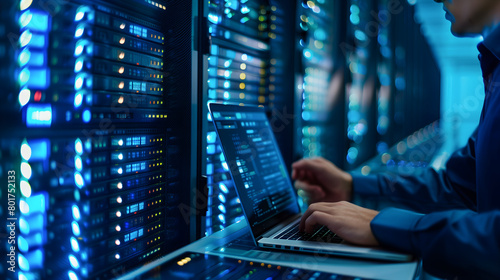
(38, 96)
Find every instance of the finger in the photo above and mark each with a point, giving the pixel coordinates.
(318, 218)
(321, 206)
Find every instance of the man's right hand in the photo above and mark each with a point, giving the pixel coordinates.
(319, 180)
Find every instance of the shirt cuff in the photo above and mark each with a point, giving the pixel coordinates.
(365, 185)
(393, 228)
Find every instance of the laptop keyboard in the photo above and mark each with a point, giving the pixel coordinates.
(322, 234)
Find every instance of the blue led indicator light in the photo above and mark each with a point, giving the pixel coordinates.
(78, 146)
(23, 263)
(72, 275)
(86, 116)
(245, 9)
(79, 180)
(78, 82)
(74, 245)
(24, 96)
(78, 49)
(22, 244)
(223, 188)
(24, 207)
(24, 227)
(79, 15)
(76, 228)
(38, 115)
(213, 18)
(222, 218)
(26, 151)
(24, 76)
(78, 163)
(79, 31)
(24, 57)
(21, 276)
(222, 198)
(25, 188)
(25, 38)
(76, 212)
(78, 65)
(26, 170)
(74, 262)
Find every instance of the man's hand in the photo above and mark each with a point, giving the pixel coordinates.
(318, 180)
(347, 220)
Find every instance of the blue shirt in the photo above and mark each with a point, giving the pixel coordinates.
(456, 227)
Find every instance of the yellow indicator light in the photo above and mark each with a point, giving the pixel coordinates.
(366, 170)
(243, 76)
(25, 4)
(242, 85)
(242, 96)
(243, 66)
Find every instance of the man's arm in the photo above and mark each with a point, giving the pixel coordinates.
(453, 188)
(453, 243)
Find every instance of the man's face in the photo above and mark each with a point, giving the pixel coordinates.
(470, 17)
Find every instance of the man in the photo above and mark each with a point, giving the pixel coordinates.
(456, 229)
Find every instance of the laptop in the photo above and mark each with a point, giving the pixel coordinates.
(265, 190)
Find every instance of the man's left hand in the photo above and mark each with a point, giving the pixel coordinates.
(349, 221)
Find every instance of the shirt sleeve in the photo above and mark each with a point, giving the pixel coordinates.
(453, 243)
(451, 188)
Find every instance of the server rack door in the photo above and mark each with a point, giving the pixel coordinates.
(96, 135)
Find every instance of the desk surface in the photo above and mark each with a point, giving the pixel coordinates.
(223, 243)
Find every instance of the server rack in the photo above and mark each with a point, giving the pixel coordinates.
(95, 134)
(362, 63)
(395, 79)
(249, 63)
(320, 79)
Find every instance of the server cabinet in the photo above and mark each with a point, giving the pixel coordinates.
(320, 80)
(249, 63)
(97, 134)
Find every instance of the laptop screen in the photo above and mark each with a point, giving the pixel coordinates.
(256, 165)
